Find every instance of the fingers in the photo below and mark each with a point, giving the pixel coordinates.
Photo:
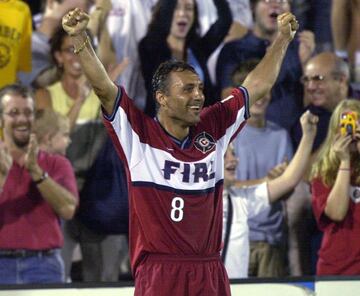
(288, 18)
(73, 17)
(308, 117)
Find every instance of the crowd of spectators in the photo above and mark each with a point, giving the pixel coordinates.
(74, 191)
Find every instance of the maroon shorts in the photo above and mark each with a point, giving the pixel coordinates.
(181, 275)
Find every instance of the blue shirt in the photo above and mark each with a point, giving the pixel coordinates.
(287, 94)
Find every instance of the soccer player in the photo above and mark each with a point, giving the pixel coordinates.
(175, 164)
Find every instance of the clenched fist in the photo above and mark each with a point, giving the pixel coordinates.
(287, 25)
(75, 22)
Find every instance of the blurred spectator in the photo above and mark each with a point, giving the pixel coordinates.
(52, 131)
(261, 146)
(242, 21)
(316, 17)
(30, 230)
(72, 97)
(335, 196)
(326, 84)
(47, 22)
(173, 33)
(127, 25)
(243, 203)
(15, 40)
(286, 94)
(345, 25)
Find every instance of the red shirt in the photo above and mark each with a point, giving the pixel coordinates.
(175, 192)
(27, 221)
(340, 249)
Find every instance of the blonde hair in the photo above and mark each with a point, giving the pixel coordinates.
(48, 123)
(326, 163)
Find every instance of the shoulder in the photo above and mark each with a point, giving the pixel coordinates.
(53, 161)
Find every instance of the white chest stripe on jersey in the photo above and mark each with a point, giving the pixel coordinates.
(161, 167)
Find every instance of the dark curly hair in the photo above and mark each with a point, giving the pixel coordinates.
(160, 80)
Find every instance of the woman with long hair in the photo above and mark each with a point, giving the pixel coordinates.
(173, 33)
(336, 194)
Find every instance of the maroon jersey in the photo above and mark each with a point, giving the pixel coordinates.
(175, 193)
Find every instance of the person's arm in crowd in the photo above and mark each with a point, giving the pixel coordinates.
(272, 174)
(340, 24)
(306, 46)
(218, 30)
(60, 199)
(53, 12)
(337, 203)
(260, 81)
(281, 185)
(74, 23)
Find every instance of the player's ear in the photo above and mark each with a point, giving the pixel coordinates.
(160, 98)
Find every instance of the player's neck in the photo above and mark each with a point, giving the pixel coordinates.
(174, 127)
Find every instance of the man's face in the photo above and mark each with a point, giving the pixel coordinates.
(17, 119)
(266, 12)
(183, 18)
(230, 164)
(185, 98)
(322, 89)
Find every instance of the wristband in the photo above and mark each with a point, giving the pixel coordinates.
(43, 177)
(81, 47)
(344, 169)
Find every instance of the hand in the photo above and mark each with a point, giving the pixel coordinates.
(116, 70)
(356, 136)
(307, 45)
(5, 161)
(277, 171)
(75, 22)
(56, 10)
(287, 25)
(309, 123)
(341, 147)
(30, 160)
(104, 5)
(84, 89)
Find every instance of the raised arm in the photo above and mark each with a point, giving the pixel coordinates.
(297, 167)
(260, 81)
(74, 23)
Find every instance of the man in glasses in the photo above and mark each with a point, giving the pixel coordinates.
(326, 83)
(36, 190)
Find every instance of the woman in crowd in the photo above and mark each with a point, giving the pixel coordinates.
(336, 195)
(174, 33)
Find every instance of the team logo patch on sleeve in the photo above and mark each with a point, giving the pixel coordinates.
(204, 142)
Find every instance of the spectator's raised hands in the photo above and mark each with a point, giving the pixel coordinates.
(5, 162)
(307, 46)
(75, 22)
(309, 124)
(287, 25)
(30, 160)
(56, 10)
(341, 146)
